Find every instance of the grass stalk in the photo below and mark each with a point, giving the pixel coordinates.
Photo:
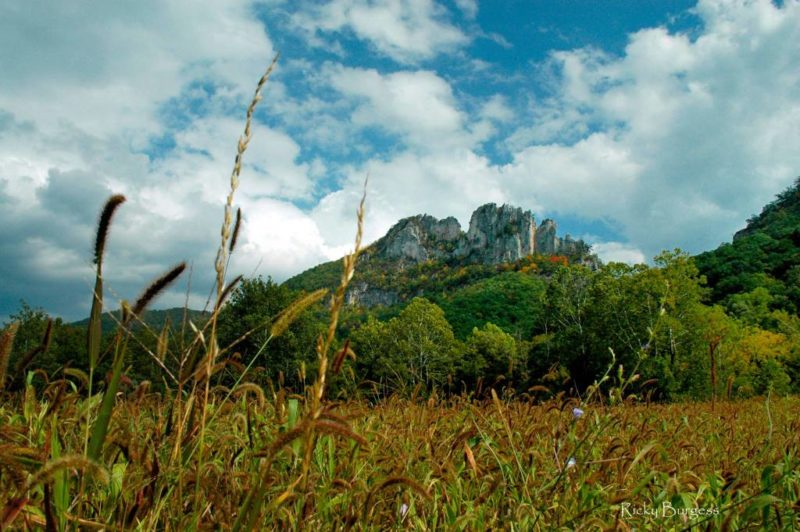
(6, 345)
(221, 261)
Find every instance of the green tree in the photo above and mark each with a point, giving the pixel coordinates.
(417, 346)
(371, 345)
(66, 345)
(753, 308)
(254, 304)
(32, 325)
(770, 377)
(513, 301)
(789, 326)
(568, 301)
(651, 317)
(491, 354)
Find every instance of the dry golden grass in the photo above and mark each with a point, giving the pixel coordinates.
(454, 465)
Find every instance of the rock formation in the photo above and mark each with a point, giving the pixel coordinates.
(366, 296)
(546, 240)
(495, 235)
(499, 234)
(420, 238)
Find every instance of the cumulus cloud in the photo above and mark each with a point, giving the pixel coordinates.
(81, 100)
(686, 137)
(405, 30)
(675, 141)
(591, 177)
(618, 252)
(419, 106)
(279, 239)
(105, 68)
(449, 183)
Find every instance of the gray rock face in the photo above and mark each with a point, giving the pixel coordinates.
(546, 240)
(549, 243)
(420, 238)
(363, 295)
(406, 241)
(495, 235)
(499, 234)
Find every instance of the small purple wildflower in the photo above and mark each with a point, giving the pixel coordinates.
(577, 413)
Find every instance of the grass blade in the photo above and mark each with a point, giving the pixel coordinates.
(100, 428)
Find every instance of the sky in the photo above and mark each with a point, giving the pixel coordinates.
(638, 126)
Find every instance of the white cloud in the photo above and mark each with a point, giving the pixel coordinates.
(105, 68)
(590, 178)
(278, 240)
(468, 7)
(82, 95)
(691, 136)
(405, 30)
(497, 109)
(417, 105)
(450, 183)
(205, 150)
(618, 252)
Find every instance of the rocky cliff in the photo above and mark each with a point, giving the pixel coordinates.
(495, 235)
(421, 251)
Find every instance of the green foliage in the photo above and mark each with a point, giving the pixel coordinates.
(651, 318)
(753, 308)
(766, 254)
(568, 301)
(771, 377)
(252, 307)
(66, 346)
(416, 347)
(512, 301)
(32, 325)
(491, 354)
(325, 275)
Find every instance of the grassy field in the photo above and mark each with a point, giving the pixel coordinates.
(458, 464)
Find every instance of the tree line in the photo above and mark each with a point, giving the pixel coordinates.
(516, 330)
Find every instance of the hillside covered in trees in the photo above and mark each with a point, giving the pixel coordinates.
(760, 270)
(507, 305)
(554, 321)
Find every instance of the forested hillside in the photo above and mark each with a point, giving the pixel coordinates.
(153, 319)
(420, 316)
(760, 269)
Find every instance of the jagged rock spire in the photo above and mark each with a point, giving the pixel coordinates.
(495, 235)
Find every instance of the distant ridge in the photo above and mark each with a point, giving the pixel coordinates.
(763, 256)
(496, 235)
(155, 319)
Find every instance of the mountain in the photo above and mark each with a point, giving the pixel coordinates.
(422, 254)
(155, 319)
(496, 235)
(765, 254)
